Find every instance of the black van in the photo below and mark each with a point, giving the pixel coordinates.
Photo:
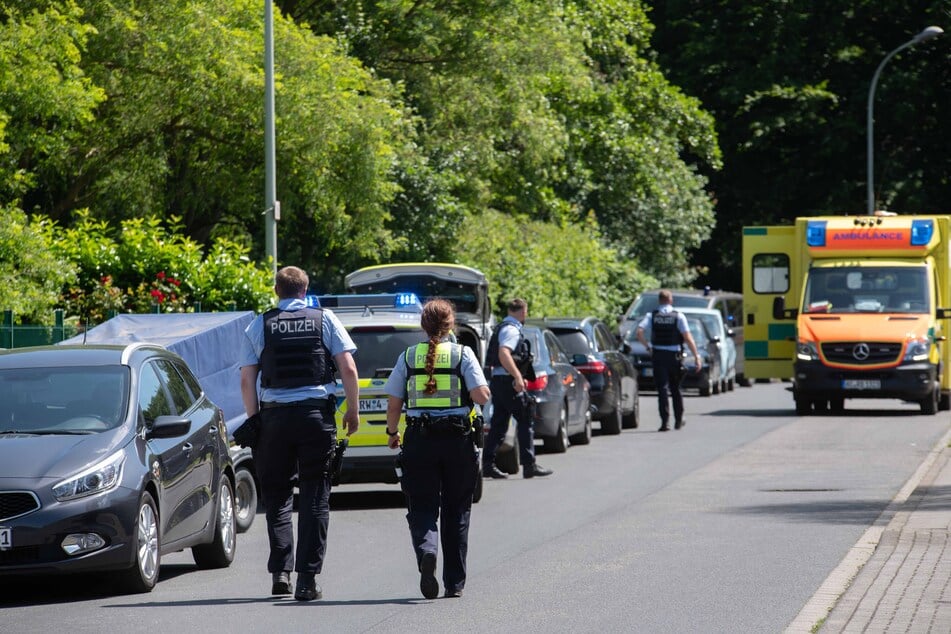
(729, 304)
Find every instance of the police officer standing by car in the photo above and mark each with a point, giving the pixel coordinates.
(438, 381)
(667, 331)
(296, 350)
(510, 358)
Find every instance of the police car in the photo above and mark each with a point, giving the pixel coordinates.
(382, 326)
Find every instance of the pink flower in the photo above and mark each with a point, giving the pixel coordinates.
(160, 275)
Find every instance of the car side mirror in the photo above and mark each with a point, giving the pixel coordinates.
(169, 427)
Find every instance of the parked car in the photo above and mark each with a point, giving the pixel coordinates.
(707, 381)
(594, 351)
(729, 304)
(110, 458)
(726, 347)
(562, 413)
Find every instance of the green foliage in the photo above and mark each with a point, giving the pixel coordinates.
(149, 263)
(558, 269)
(31, 275)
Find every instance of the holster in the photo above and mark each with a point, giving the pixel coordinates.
(478, 431)
(336, 462)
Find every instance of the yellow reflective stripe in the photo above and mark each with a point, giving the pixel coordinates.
(448, 386)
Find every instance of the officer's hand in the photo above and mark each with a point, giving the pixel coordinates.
(697, 359)
(351, 419)
(393, 442)
(519, 385)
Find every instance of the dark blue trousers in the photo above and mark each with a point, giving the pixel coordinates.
(505, 405)
(296, 440)
(668, 375)
(439, 477)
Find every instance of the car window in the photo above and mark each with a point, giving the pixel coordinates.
(193, 385)
(152, 400)
(713, 324)
(64, 399)
(699, 332)
(574, 341)
(603, 338)
(558, 354)
(181, 397)
(379, 349)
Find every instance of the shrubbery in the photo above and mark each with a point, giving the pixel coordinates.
(92, 268)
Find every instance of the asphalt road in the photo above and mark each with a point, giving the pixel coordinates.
(729, 525)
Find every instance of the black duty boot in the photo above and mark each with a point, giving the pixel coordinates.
(281, 583)
(491, 471)
(534, 469)
(307, 588)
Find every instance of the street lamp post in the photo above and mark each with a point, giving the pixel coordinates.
(272, 208)
(927, 34)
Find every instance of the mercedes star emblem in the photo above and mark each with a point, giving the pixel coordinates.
(860, 351)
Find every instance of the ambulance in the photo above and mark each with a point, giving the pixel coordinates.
(851, 307)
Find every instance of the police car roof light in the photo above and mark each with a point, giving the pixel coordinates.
(403, 302)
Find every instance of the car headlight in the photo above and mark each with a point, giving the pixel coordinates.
(917, 349)
(807, 351)
(98, 478)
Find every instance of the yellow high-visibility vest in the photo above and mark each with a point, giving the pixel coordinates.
(447, 372)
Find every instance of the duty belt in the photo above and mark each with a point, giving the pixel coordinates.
(307, 402)
(455, 424)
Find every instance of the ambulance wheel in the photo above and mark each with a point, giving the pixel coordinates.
(929, 404)
(944, 403)
(837, 405)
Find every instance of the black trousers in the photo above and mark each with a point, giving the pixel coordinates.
(296, 439)
(439, 478)
(668, 375)
(505, 405)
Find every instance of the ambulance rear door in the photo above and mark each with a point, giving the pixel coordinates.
(771, 270)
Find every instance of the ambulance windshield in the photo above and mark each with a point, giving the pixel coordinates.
(867, 289)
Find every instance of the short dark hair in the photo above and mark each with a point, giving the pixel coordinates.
(290, 282)
(516, 304)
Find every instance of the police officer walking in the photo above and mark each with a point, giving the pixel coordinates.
(438, 381)
(510, 359)
(667, 331)
(296, 350)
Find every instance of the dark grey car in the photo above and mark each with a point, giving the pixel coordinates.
(110, 457)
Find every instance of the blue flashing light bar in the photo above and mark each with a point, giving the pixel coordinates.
(921, 232)
(401, 301)
(816, 233)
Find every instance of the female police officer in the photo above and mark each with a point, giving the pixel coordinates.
(439, 381)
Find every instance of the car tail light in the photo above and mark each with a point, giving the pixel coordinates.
(593, 367)
(539, 384)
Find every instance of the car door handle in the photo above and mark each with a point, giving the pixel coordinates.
(187, 447)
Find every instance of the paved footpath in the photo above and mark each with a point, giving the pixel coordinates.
(897, 577)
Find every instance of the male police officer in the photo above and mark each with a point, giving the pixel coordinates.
(510, 358)
(667, 330)
(295, 349)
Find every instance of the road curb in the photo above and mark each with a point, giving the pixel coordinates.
(838, 581)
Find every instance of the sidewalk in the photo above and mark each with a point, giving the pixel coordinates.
(897, 578)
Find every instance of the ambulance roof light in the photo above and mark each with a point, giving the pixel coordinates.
(921, 232)
(816, 233)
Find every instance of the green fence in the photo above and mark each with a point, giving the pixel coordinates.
(20, 336)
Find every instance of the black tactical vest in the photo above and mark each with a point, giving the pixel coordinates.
(294, 352)
(522, 355)
(664, 331)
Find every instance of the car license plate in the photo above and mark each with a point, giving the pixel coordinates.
(862, 384)
(647, 371)
(369, 405)
(6, 538)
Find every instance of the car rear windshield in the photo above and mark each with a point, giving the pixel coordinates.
(63, 400)
(573, 341)
(378, 349)
(647, 303)
(467, 298)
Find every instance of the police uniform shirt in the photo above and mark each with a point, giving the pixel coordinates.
(470, 369)
(509, 338)
(647, 322)
(335, 338)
